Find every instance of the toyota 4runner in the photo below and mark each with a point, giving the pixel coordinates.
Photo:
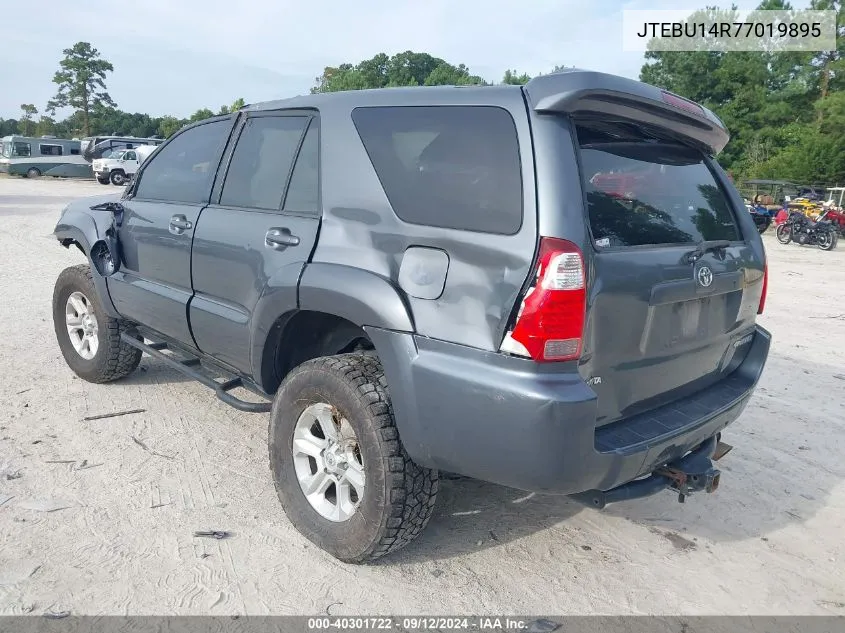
(551, 287)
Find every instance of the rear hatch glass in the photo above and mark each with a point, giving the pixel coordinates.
(644, 192)
(668, 303)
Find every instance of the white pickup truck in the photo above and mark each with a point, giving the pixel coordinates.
(118, 167)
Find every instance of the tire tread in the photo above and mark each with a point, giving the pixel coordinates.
(411, 489)
(120, 359)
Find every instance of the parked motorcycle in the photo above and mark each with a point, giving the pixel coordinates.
(802, 230)
(836, 217)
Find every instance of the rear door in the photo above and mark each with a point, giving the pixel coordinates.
(262, 224)
(673, 282)
(153, 285)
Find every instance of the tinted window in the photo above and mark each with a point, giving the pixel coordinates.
(21, 149)
(50, 150)
(130, 156)
(74, 152)
(451, 166)
(303, 191)
(183, 171)
(261, 162)
(645, 191)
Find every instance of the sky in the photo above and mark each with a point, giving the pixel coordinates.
(176, 56)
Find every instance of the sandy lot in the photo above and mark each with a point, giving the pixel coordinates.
(99, 515)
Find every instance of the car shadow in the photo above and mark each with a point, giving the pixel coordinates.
(472, 515)
(152, 371)
(785, 463)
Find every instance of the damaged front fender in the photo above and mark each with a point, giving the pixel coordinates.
(92, 225)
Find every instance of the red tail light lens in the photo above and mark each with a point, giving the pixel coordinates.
(550, 323)
(765, 288)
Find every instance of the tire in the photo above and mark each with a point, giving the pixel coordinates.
(827, 241)
(398, 495)
(33, 172)
(103, 181)
(111, 359)
(784, 234)
(117, 178)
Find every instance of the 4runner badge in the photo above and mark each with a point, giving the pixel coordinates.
(595, 380)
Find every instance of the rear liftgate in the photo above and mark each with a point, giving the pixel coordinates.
(691, 473)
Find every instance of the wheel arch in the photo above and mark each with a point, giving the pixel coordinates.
(302, 335)
(332, 301)
(80, 229)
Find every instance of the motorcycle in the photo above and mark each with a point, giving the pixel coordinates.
(802, 230)
(836, 217)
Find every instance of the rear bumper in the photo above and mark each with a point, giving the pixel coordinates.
(517, 423)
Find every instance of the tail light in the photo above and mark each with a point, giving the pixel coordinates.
(765, 287)
(680, 102)
(550, 322)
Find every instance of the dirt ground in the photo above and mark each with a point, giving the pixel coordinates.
(97, 517)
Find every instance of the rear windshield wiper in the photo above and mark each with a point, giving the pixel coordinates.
(705, 247)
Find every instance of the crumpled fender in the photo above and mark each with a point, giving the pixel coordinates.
(93, 225)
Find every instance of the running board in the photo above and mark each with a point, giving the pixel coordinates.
(187, 365)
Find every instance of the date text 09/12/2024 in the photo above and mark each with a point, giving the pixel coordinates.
(422, 623)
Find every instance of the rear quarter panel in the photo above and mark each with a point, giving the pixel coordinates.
(485, 271)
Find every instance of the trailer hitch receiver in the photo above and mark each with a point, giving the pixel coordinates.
(693, 472)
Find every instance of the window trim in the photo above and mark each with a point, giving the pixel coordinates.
(519, 154)
(312, 118)
(14, 150)
(131, 194)
(313, 121)
(41, 147)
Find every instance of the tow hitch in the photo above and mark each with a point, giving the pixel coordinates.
(691, 473)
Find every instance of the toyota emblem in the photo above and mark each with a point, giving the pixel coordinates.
(704, 276)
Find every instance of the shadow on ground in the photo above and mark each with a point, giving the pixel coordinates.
(781, 472)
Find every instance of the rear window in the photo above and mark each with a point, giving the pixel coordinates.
(455, 167)
(644, 191)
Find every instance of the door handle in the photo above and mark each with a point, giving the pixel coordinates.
(280, 239)
(179, 224)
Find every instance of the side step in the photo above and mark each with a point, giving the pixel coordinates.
(187, 365)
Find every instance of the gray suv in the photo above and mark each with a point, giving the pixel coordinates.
(551, 287)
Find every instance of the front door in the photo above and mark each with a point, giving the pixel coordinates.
(153, 285)
(129, 162)
(260, 230)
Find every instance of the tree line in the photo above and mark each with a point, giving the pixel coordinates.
(81, 86)
(785, 110)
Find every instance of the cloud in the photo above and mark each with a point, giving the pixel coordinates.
(176, 56)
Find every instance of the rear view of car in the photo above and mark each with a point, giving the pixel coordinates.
(649, 276)
(553, 287)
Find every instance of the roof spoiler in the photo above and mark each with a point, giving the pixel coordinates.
(583, 93)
